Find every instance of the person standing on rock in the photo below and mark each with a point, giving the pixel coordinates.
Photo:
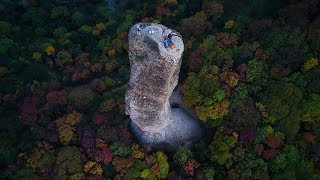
(168, 40)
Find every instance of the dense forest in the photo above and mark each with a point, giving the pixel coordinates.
(249, 71)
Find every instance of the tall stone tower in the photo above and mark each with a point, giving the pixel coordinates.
(154, 75)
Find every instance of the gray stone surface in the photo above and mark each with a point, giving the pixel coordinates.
(154, 75)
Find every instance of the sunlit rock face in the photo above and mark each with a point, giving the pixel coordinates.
(154, 75)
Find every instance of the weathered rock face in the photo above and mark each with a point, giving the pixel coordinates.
(154, 75)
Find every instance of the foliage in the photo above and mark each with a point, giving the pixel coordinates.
(5, 45)
(63, 58)
(162, 164)
(101, 154)
(137, 152)
(60, 11)
(227, 40)
(311, 108)
(256, 71)
(29, 113)
(250, 72)
(282, 99)
(229, 24)
(68, 162)
(50, 50)
(194, 25)
(41, 157)
(86, 137)
(221, 146)
(196, 59)
(202, 91)
(37, 56)
(281, 37)
(66, 126)
(209, 173)
(216, 50)
(190, 167)
(139, 169)
(80, 97)
(93, 168)
(249, 164)
(313, 34)
(213, 9)
(5, 28)
(243, 115)
(120, 149)
(309, 64)
(181, 156)
(147, 174)
(78, 18)
(57, 98)
(122, 164)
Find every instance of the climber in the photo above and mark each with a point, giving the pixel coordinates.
(168, 40)
(170, 37)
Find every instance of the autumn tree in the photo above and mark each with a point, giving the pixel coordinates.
(57, 98)
(80, 98)
(194, 26)
(196, 59)
(213, 9)
(243, 115)
(227, 39)
(68, 163)
(66, 126)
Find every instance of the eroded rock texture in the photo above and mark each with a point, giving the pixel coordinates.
(154, 75)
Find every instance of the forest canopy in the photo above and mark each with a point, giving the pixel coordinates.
(250, 72)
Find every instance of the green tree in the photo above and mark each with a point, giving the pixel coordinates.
(281, 37)
(313, 34)
(256, 71)
(282, 99)
(120, 149)
(221, 146)
(102, 12)
(311, 109)
(59, 12)
(78, 18)
(86, 29)
(162, 164)
(5, 45)
(104, 43)
(249, 164)
(181, 156)
(209, 172)
(63, 58)
(5, 28)
(288, 159)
